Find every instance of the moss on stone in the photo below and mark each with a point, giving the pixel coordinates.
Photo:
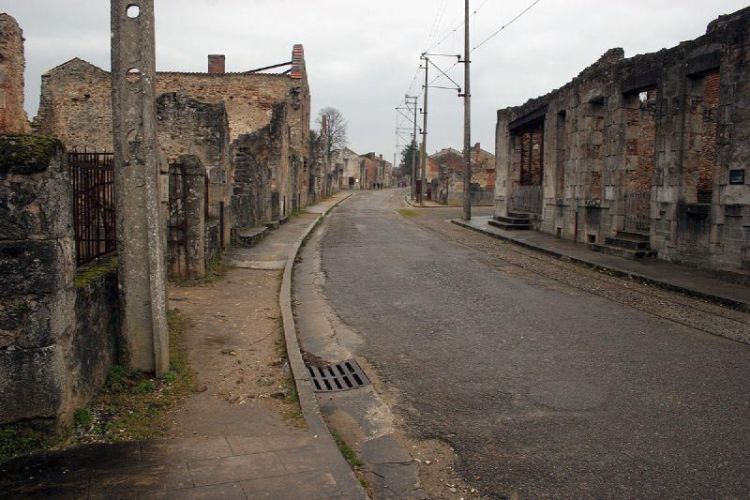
(27, 153)
(90, 272)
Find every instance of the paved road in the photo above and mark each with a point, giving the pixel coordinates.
(544, 389)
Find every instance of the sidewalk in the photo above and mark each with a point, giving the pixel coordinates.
(676, 277)
(240, 434)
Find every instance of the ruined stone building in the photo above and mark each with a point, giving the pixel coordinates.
(643, 154)
(75, 106)
(13, 118)
(347, 165)
(445, 181)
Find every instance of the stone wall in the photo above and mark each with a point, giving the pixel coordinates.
(670, 128)
(56, 340)
(257, 159)
(186, 126)
(75, 107)
(13, 118)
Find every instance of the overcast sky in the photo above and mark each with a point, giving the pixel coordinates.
(362, 55)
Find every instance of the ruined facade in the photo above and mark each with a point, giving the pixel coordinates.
(646, 151)
(186, 126)
(75, 106)
(445, 181)
(13, 118)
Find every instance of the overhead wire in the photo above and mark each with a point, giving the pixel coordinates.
(493, 35)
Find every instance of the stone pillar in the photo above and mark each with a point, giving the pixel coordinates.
(37, 266)
(195, 215)
(140, 238)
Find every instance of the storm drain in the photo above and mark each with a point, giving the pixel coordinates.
(342, 376)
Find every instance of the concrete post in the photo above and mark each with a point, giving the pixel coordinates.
(140, 238)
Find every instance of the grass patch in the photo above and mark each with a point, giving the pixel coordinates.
(24, 438)
(90, 272)
(347, 451)
(408, 212)
(134, 406)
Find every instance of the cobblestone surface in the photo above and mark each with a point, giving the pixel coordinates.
(687, 311)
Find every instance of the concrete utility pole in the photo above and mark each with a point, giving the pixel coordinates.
(423, 161)
(140, 231)
(413, 100)
(467, 117)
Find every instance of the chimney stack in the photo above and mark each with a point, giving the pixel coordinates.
(216, 64)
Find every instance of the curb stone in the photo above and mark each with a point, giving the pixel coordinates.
(307, 400)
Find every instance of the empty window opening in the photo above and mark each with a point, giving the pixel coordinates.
(703, 139)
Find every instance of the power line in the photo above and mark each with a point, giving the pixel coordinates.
(436, 23)
(456, 28)
(493, 35)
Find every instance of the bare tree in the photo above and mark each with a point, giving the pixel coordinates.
(332, 131)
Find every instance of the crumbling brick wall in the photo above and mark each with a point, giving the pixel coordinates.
(669, 126)
(13, 118)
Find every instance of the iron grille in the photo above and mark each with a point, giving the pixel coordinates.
(92, 176)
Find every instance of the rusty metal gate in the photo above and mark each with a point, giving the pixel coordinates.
(92, 177)
(177, 221)
(637, 211)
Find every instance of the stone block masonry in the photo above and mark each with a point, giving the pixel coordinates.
(56, 340)
(653, 147)
(13, 118)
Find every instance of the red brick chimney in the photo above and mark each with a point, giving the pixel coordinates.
(216, 64)
(298, 62)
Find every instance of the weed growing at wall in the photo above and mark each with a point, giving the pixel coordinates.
(135, 406)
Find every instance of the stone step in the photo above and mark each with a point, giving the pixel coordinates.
(508, 226)
(630, 235)
(518, 215)
(284, 219)
(512, 220)
(622, 242)
(626, 253)
(272, 224)
(251, 236)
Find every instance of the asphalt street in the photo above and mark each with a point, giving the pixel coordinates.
(543, 389)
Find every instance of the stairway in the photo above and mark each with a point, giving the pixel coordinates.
(513, 221)
(634, 246)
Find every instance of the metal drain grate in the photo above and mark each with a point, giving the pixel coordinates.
(342, 376)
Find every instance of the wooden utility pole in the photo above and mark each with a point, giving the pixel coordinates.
(467, 117)
(423, 160)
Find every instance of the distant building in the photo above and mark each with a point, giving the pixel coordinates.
(445, 176)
